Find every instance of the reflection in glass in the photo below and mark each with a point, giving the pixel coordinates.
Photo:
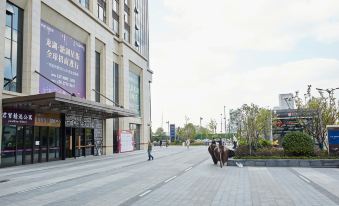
(8, 145)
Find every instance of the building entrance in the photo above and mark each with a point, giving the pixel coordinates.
(79, 142)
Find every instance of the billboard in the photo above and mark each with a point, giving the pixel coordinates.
(126, 143)
(172, 132)
(333, 139)
(63, 61)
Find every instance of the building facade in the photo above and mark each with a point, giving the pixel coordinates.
(75, 74)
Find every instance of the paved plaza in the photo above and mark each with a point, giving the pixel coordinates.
(177, 176)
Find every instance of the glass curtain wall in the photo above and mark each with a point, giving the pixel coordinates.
(141, 27)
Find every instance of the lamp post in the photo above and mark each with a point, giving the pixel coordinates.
(220, 123)
(225, 125)
(200, 127)
(168, 129)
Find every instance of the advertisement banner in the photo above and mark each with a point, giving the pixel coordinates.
(47, 120)
(63, 61)
(15, 117)
(172, 132)
(126, 143)
(333, 140)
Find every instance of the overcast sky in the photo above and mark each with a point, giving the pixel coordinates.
(207, 54)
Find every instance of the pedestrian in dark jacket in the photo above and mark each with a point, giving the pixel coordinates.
(149, 150)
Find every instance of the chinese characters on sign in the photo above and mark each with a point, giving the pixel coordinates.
(47, 120)
(17, 117)
(333, 139)
(62, 60)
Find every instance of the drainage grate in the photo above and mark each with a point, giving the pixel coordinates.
(2, 181)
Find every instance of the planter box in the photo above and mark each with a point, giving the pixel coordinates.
(331, 163)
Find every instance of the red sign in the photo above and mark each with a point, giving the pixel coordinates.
(14, 117)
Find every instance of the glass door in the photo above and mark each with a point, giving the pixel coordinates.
(19, 144)
(79, 142)
(70, 148)
(28, 142)
(89, 141)
(8, 145)
(43, 144)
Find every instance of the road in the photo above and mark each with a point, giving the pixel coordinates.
(177, 176)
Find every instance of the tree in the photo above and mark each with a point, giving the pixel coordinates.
(212, 125)
(188, 132)
(315, 113)
(159, 134)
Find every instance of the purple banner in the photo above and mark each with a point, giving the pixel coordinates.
(14, 117)
(63, 61)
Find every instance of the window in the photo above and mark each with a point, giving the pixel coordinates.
(97, 76)
(84, 3)
(141, 27)
(102, 10)
(115, 15)
(13, 48)
(134, 92)
(126, 33)
(116, 6)
(116, 82)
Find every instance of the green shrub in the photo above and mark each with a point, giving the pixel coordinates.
(269, 151)
(242, 150)
(298, 144)
(264, 143)
(242, 141)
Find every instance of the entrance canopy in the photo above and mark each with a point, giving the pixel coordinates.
(59, 103)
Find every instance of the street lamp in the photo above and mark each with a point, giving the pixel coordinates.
(168, 129)
(220, 123)
(200, 127)
(225, 119)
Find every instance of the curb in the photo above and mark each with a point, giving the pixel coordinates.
(324, 163)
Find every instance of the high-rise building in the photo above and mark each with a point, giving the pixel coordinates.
(75, 76)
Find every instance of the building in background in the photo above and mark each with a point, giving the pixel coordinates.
(75, 73)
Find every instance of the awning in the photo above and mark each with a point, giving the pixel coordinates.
(59, 103)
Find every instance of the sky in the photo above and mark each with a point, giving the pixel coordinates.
(209, 54)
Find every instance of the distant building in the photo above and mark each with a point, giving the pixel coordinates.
(286, 101)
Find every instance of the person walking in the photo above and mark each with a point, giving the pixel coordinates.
(188, 143)
(149, 150)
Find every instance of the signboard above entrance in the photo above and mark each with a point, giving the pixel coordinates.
(62, 60)
(14, 117)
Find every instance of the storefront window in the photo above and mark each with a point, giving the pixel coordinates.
(13, 48)
(8, 145)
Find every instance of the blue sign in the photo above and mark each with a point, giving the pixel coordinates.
(333, 139)
(333, 136)
(172, 132)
